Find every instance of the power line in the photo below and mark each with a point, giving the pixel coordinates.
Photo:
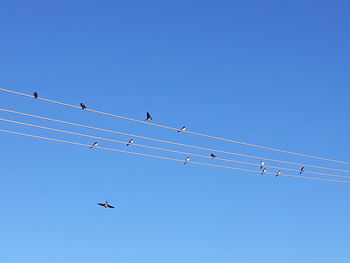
(176, 129)
(173, 143)
(163, 149)
(166, 158)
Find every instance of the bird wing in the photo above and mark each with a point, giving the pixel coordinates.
(110, 206)
(101, 204)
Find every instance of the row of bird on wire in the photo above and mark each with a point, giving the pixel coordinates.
(187, 159)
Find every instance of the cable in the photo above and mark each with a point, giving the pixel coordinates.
(162, 149)
(173, 143)
(176, 129)
(167, 158)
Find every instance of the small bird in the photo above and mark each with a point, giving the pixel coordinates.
(262, 163)
(35, 95)
(278, 173)
(94, 145)
(148, 117)
(182, 129)
(212, 155)
(82, 105)
(187, 160)
(263, 171)
(302, 170)
(130, 142)
(105, 205)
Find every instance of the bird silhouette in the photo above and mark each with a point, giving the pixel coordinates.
(187, 160)
(82, 105)
(182, 129)
(212, 155)
(130, 142)
(94, 145)
(278, 173)
(148, 117)
(35, 95)
(302, 169)
(262, 163)
(263, 171)
(106, 205)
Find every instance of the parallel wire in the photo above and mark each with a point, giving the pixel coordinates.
(165, 158)
(163, 149)
(173, 143)
(176, 129)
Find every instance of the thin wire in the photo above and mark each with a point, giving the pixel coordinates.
(173, 143)
(176, 129)
(167, 158)
(162, 149)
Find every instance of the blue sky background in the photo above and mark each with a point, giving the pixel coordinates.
(274, 73)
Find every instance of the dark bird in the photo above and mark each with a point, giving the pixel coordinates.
(130, 142)
(302, 170)
(105, 205)
(262, 163)
(182, 129)
(187, 160)
(94, 145)
(212, 155)
(35, 95)
(82, 105)
(263, 171)
(149, 117)
(278, 173)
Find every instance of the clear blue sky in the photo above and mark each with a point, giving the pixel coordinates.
(268, 72)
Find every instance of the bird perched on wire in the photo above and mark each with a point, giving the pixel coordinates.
(262, 163)
(130, 142)
(94, 145)
(212, 155)
(148, 117)
(278, 173)
(263, 171)
(105, 205)
(82, 105)
(182, 129)
(302, 170)
(187, 160)
(35, 95)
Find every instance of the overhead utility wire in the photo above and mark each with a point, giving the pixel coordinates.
(166, 158)
(176, 129)
(170, 142)
(163, 149)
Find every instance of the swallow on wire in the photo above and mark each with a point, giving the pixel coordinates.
(182, 129)
(262, 163)
(278, 173)
(82, 105)
(35, 95)
(94, 145)
(302, 169)
(263, 171)
(105, 205)
(148, 117)
(187, 160)
(130, 142)
(212, 155)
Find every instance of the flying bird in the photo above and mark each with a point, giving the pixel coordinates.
(278, 173)
(302, 170)
(262, 163)
(105, 205)
(187, 160)
(130, 142)
(82, 105)
(94, 145)
(263, 171)
(149, 117)
(35, 95)
(212, 155)
(182, 129)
